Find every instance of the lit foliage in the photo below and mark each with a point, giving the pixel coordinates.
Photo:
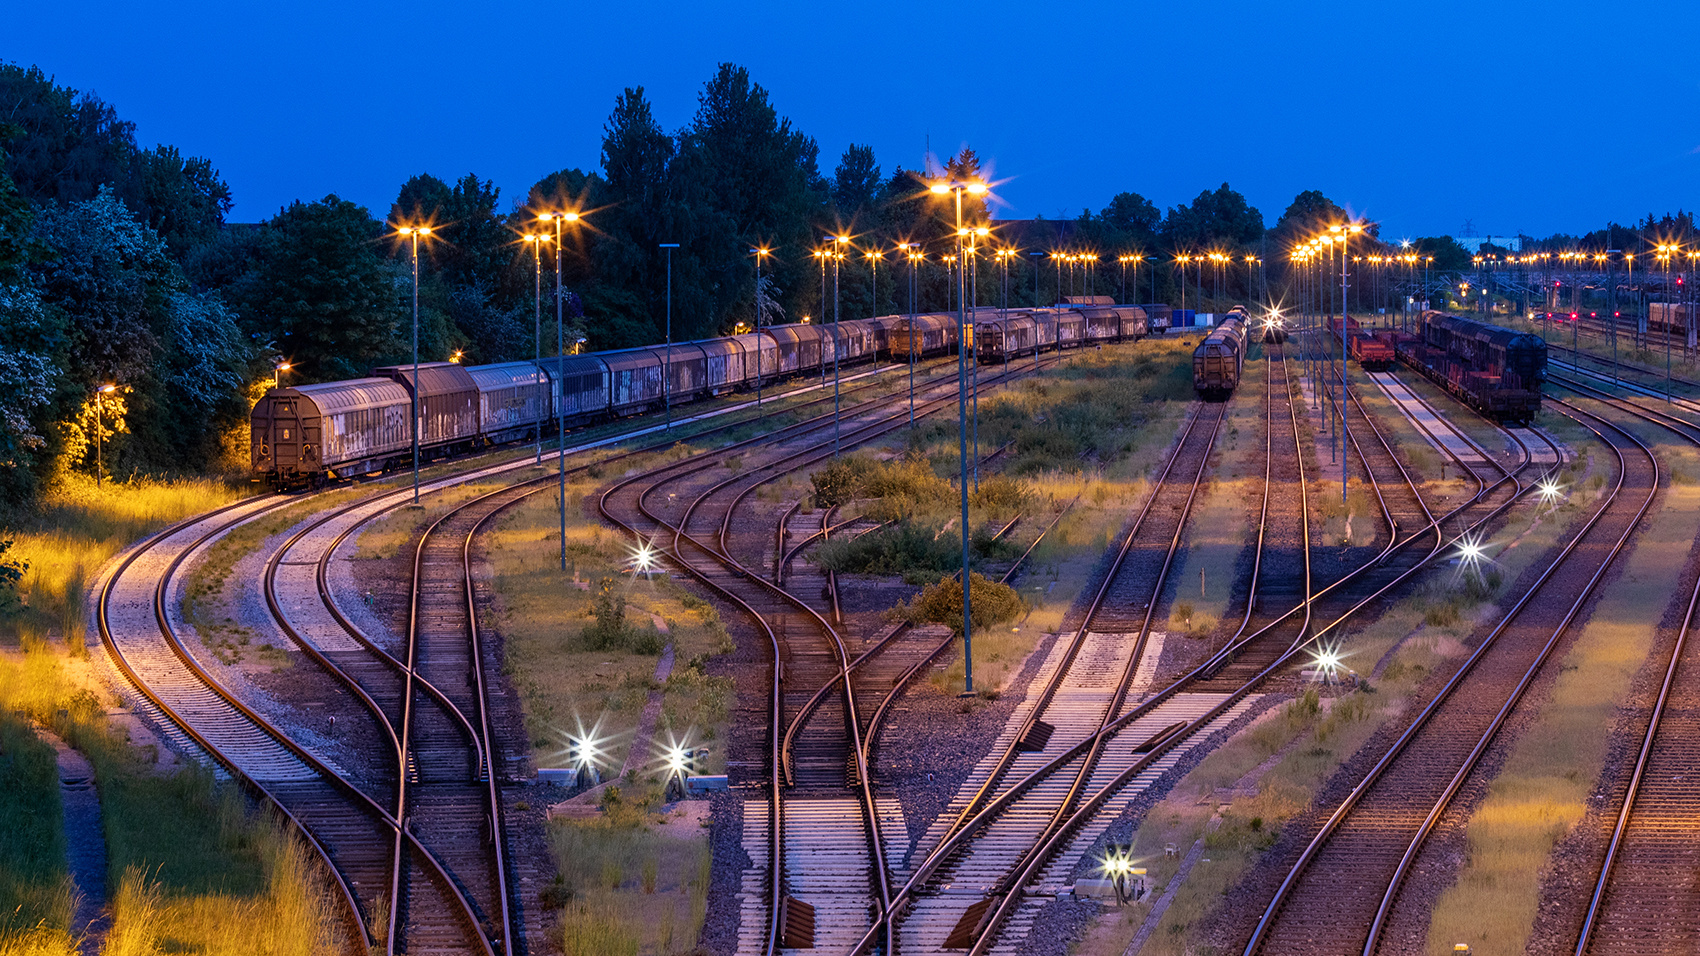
(941, 603)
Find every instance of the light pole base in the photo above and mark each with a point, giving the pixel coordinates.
(967, 695)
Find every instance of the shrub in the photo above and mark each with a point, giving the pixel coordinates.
(941, 603)
(610, 631)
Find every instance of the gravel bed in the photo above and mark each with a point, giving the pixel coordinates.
(726, 876)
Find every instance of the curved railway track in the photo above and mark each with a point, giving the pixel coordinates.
(819, 750)
(375, 859)
(353, 834)
(1345, 885)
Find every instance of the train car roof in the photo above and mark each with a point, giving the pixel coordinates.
(506, 375)
(435, 378)
(347, 396)
(562, 365)
(726, 345)
(647, 355)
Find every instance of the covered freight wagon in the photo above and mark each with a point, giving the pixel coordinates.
(302, 433)
(448, 405)
(513, 400)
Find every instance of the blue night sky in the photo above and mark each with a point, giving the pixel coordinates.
(1532, 117)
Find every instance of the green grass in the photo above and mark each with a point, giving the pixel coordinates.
(76, 528)
(626, 885)
(34, 885)
(1543, 789)
(196, 843)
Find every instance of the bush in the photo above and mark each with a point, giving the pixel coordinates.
(610, 631)
(941, 603)
(909, 549)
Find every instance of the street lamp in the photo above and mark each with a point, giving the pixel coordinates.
(99, 418)
(837, 254)
(414, 233)
(537, 240)
(559, 219)
(912, 253)
(1344, 234)
(760, 253)
(667, 364)
(955, 189)
(874, 257)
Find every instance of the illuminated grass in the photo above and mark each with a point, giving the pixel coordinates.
(626, 886)
(224, 874)
(34, 885)
(1542, 790)
(76, 528)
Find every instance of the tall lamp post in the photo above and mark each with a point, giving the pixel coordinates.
(760, 253)
(667, 363)
(1344, 233)
(414, 233)
(838, 244)
(559, 219)
(874, 257)
(536, 241)
(100, 418)
(915, 257)
(1038, 266)
(955, 189)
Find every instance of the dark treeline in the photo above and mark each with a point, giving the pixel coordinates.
(117, 266)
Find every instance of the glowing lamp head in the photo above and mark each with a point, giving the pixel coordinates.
(940, 188)
(108, 389)
(977, 189)
(643, 558)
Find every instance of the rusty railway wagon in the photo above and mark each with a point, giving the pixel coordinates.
(306, 434)
(1219, 360)
(1495, 370)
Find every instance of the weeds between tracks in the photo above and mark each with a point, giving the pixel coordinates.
(1542, 791)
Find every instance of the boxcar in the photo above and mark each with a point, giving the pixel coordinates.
(1134, 324)
(302, 433)
(932, 334)
(1071, 329)
(723, 365)
(448, 405)
(763, 364)
(854, 337)
(513, 400)
(1158, 317)
(579, 386)
(634, 380)
(1218, 361)
(1102, 325)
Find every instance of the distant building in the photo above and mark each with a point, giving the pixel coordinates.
(1475, 243)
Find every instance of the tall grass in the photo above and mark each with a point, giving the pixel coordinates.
(625, 888)
(183, 852)
(76, 527)
(35, 889)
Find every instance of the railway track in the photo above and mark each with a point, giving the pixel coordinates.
(360, 839)
(1148, 718)
(1342, 892)
(1645, 891)
(816, 720)
(354, 835)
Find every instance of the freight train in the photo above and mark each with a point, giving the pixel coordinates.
(306, 434)
(999, 335)
(1219, 360)
(1494, 370)
(1373, 352)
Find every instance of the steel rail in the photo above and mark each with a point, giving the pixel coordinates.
(1054, 831)
(1487, 737)
(1332, 824)
(174, 640)
(1643, 757)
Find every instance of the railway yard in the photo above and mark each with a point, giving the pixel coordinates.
(1272, 652)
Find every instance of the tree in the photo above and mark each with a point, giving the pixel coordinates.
(72, 144)
(321, 287)
(1449, 255)
(744, 176)
(111, 276)
(856, 186)
(183, 200)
